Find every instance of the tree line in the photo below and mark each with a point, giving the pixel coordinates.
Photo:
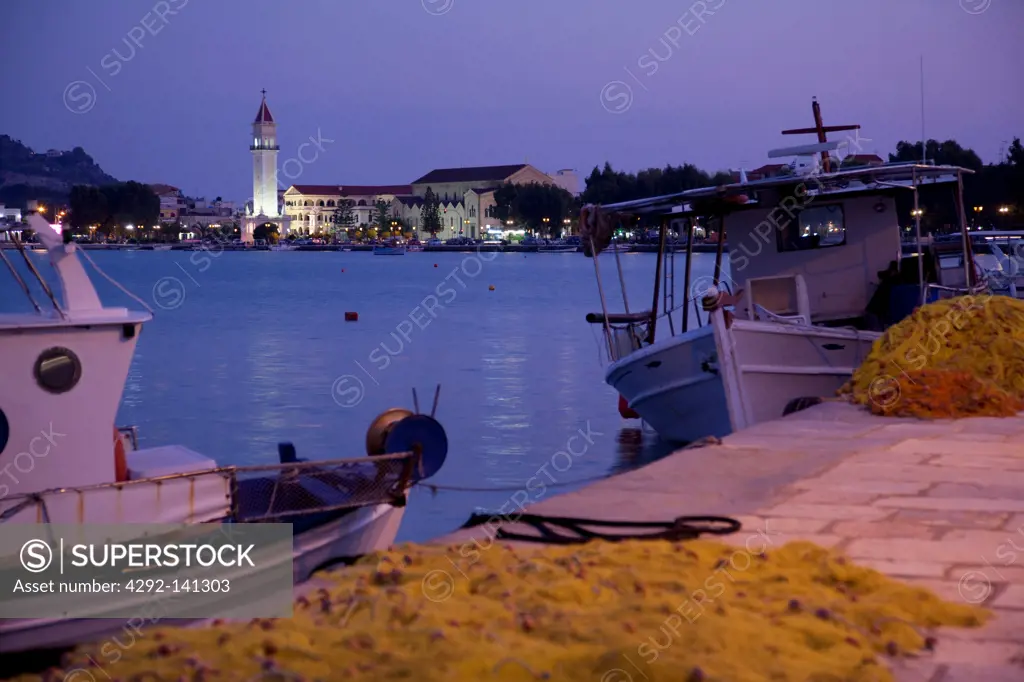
(990, 187)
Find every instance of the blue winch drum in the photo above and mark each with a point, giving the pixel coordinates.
(425, 434)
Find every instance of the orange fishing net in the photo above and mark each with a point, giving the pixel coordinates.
(956, 357)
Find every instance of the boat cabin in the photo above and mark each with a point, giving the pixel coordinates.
(807, 248)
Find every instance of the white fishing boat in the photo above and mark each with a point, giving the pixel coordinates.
(283, 246)
(799, 308)
(162, 247)
(63, 367)
(1000, 256)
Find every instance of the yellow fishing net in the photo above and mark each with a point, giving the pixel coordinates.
(917, 367)
(633, 611)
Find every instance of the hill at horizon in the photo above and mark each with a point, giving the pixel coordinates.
(46, 176)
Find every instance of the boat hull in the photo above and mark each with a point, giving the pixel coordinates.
(353, 534)
(389, 251)
(719, 379)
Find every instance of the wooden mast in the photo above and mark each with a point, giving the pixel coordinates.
(820, 130)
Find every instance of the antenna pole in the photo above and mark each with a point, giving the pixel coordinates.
(924, 152)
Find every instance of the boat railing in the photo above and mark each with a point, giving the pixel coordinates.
(260, 493)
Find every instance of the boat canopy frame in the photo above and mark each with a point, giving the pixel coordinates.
(717, 202)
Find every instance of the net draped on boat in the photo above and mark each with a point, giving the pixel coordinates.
(597, 226)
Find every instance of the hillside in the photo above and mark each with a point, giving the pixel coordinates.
(47, 176)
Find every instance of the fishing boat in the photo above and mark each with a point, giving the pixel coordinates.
(815, 275)
(999, 254)
(63, 367)
(558, 246)
(390, 248)
(283, 246)
(162, 247)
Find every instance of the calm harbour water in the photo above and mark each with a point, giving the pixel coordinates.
(250, 349)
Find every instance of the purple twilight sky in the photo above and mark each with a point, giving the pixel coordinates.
(165, 91)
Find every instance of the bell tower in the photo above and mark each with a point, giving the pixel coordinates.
(264, 148)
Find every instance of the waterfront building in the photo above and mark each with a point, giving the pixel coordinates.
(465, 200)
(312, 209)
(568, 180)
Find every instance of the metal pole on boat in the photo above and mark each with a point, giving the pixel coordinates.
(968, 250)
(42, 282)
(657, 280)
(604, 303)
(721, 246)
(920, 250)
(22, 282)
(686, 273)
(622, 280)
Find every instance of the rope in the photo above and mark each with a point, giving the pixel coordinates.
(114, 281)
(681, 528)
(434, 487)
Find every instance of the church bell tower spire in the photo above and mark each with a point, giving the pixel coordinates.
(264, 150)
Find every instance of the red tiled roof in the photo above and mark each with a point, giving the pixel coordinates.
(263, 115)
(354, 190)
(472, 174)
(162, 189)
(767, 168)
(866, 158)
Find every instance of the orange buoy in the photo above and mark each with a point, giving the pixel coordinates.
(343, 269)
(490, 288)
(625, 411)
(435, 265)
(351, 317)
(120, 460)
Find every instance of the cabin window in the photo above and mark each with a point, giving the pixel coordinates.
(5, 431)
(57, 370)
(815, 227)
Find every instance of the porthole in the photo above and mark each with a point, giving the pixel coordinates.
(58, 370)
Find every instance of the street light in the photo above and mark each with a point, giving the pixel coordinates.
(1004, 209)
(917, 212)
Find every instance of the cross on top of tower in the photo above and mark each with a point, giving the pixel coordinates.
(263, 115)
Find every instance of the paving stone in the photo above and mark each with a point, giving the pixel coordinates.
(883, 529)
(781, 526)
(976, 491)
(755, 546)
(849, 471)
(978, 437)
(916, 671)
(994, 571)
(918, 429)
(832, 512)
(994, 462)
(825, 496)
(958, 519)
(890, 457)
(1011, 598)
(971, 549)
(945, 589)
(943, 446)
(996, 506)
(967, 672)
(1005, 626)
(975, 652)
(879, 487)
(906, 569)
